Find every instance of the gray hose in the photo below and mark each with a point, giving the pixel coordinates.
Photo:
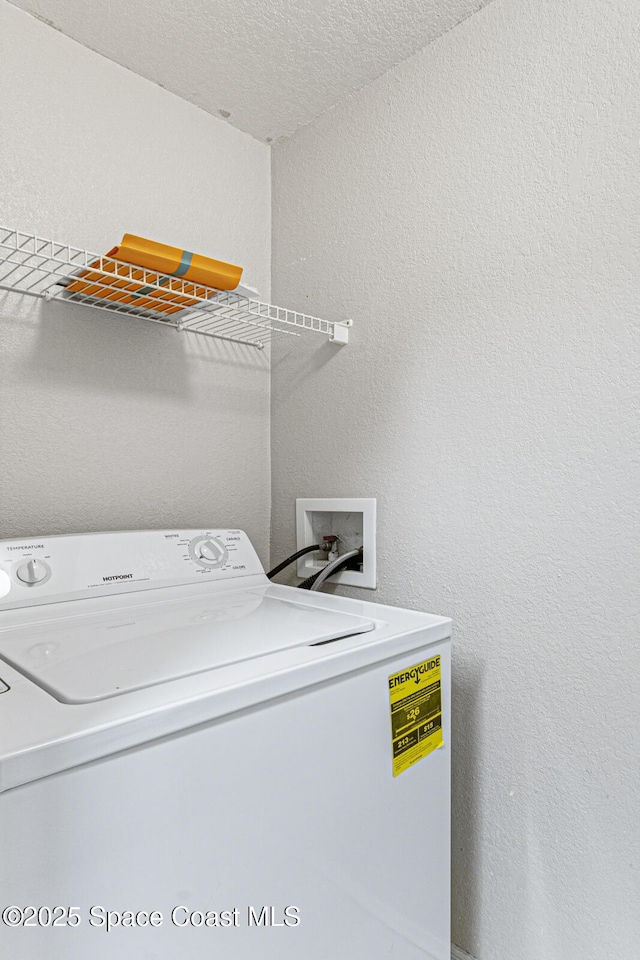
(331, 568)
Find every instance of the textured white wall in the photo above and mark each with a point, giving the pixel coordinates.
(109, 422)
(477, 211)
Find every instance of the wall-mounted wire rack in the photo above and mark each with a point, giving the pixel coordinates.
(38, 267)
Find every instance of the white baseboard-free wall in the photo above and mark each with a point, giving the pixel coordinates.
(120, 412)
(475, 210)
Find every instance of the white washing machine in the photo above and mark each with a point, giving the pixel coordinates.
(197, 763)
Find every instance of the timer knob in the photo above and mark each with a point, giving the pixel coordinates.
(210, 550)
(33, 571)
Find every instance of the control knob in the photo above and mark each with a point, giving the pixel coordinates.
(33, 571)
(209, 552)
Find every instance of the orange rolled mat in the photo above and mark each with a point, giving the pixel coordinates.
(121, 284)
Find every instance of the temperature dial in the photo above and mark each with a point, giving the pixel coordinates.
(208, 552)
(33, 571)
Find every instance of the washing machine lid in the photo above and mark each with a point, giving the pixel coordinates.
(85, 658)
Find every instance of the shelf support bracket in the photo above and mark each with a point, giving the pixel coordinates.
(341, 331)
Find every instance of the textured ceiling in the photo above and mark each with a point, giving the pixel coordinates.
(268, 66)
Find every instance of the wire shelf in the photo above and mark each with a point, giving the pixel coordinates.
(38, 267)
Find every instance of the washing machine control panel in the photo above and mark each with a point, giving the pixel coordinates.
(51, 569)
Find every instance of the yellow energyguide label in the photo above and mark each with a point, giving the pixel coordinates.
(416, 713)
